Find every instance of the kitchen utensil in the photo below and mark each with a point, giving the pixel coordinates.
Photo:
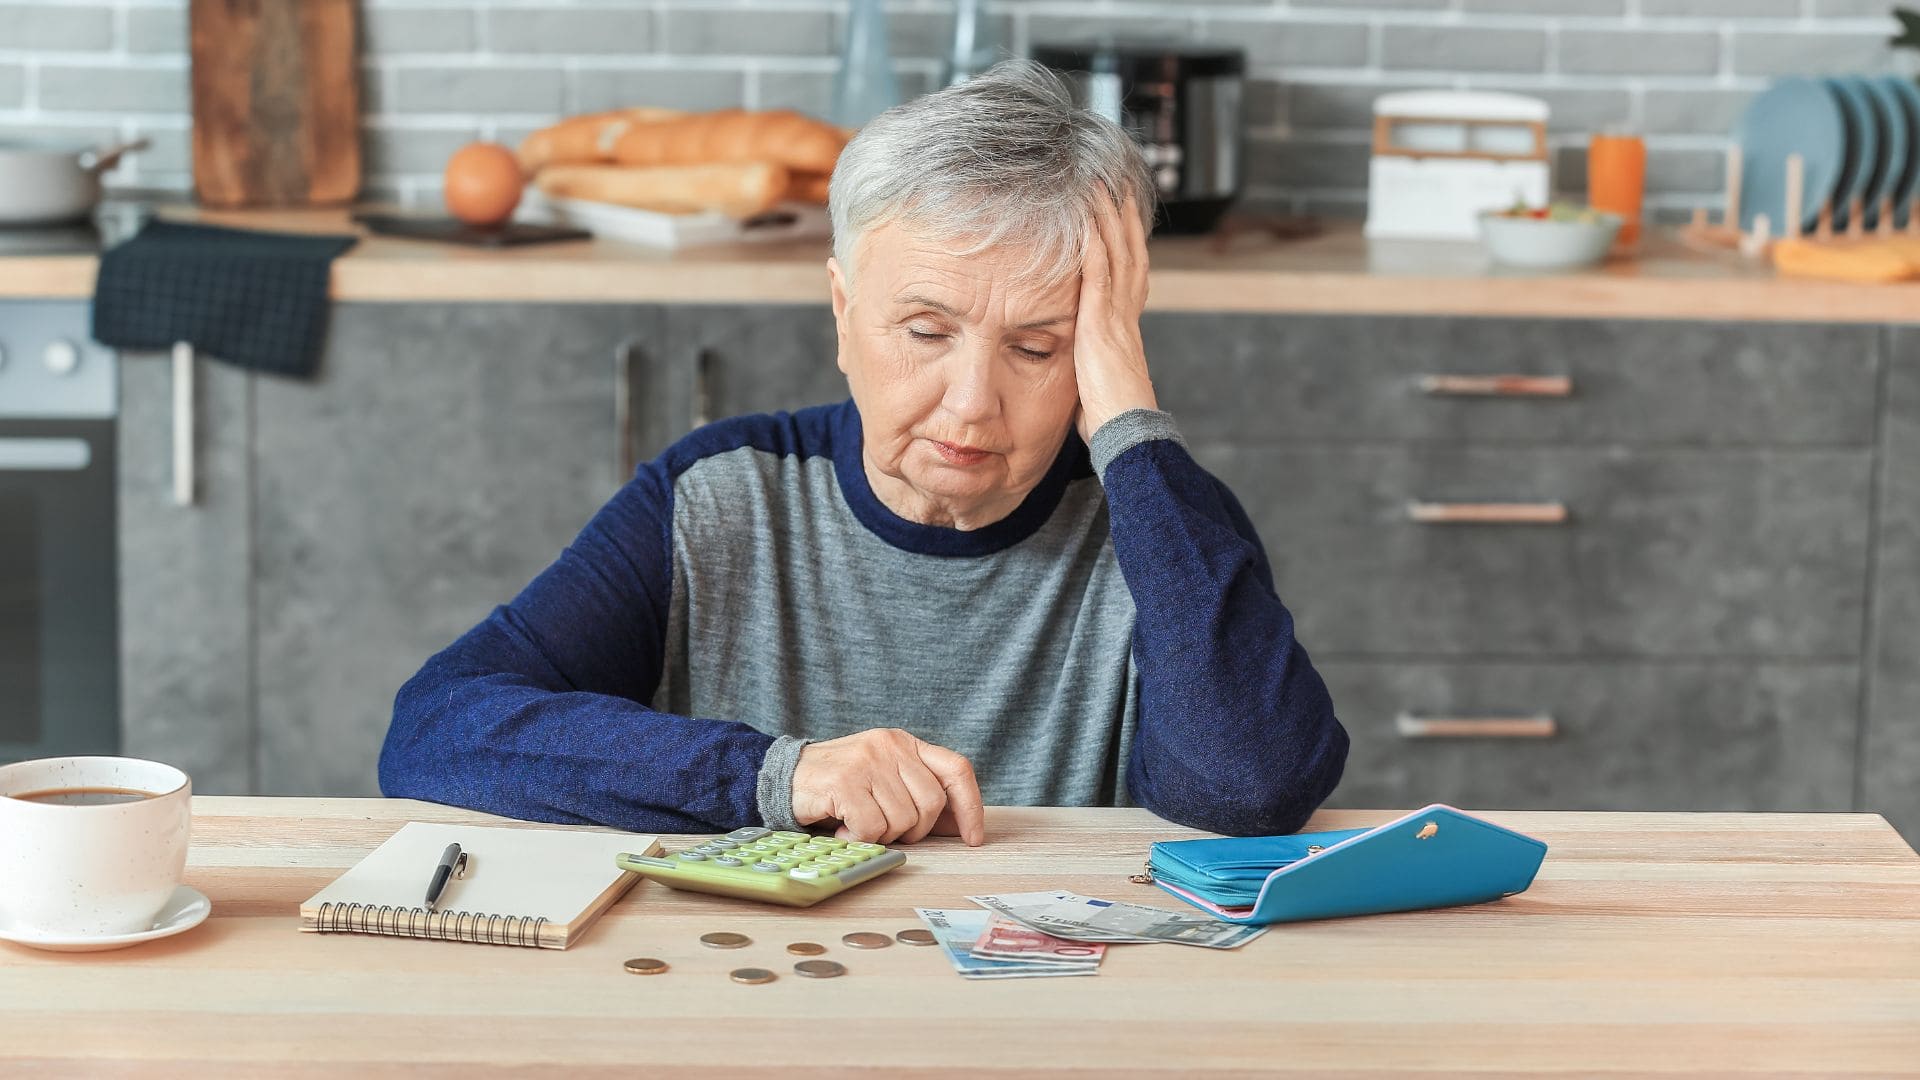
(1793, 116)
(1547, 244)
(46, 182)
(1896, 149)
(454, 231)
(1861, 176)
(1183, 106)
(1908, 95)
(1442, 156)
(276, 102)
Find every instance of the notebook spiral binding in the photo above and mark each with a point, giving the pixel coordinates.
(418, 922)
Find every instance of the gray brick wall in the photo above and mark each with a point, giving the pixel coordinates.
(437, 73)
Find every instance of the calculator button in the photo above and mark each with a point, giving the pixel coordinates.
(871, 849)
(709, 849)
(785, 862)
(830, 841)
(793, 837)
(726, 860)
(854, 856)
(804, 873)
(751, 832)
(693, 856)
(724, 845)
(837, 862)
(767, 867)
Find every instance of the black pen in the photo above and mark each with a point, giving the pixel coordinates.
(449, 859)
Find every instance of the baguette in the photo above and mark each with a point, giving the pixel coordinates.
(781, 136)
(587, 138)
(809, 188)
(739, 190)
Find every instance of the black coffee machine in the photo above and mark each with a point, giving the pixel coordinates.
(1184, 107)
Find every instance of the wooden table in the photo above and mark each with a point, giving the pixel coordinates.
(1731, 944)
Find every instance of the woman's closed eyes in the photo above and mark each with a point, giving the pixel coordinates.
(1035, 354)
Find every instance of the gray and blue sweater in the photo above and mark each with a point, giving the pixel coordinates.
(1117, 639)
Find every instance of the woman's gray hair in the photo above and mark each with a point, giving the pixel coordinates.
(1005, 157)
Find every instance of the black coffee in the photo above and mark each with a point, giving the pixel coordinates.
(86, 796)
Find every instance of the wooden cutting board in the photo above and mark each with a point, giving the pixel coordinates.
(276, 102)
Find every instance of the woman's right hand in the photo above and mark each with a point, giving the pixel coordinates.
(884, 785)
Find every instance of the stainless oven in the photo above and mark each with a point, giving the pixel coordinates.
(59, 640)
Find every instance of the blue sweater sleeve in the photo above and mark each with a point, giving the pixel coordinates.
(540, 712)
(1236, 730)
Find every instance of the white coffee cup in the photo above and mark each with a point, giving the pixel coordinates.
(91, 869)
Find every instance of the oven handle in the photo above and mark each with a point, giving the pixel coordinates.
(182, 424)
(44, 455)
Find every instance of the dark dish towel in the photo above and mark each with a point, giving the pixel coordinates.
(256, 299)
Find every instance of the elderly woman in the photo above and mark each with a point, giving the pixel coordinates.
(994, 575)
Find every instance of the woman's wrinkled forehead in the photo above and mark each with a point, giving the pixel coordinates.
(896, 259)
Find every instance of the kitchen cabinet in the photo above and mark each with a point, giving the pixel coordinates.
(186, 615)
(348, 527)
(721, 360)
(1890, 754)
(1663, 553)
(1340, 379)
(1737, 568)
(1640, 735)
(444, 456)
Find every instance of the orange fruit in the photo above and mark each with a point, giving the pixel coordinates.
(482, 183)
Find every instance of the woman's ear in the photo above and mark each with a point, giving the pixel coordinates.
(837, 284)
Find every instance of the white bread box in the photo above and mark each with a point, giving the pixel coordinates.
(1440, 157)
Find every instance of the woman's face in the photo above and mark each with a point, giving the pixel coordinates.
(965, 386)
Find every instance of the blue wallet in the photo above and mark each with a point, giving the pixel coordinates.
(1435, 857)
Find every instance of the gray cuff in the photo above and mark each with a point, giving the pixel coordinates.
(774, 790)
(1126, 431)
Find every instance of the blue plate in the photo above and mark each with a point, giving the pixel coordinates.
(1793, 116)
(1861, 177)
(1896, 147)
(1908, 95)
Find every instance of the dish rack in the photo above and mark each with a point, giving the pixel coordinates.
(1701, 230)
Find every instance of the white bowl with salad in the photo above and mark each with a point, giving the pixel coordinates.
(1559, 236)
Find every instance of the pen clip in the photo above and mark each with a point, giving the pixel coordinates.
(460, 866)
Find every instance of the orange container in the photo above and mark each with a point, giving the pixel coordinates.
(1617, 179)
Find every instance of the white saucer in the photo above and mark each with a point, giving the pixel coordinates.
(186, 908)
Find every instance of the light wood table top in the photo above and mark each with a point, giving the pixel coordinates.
(1725, 944)
(1338, 272)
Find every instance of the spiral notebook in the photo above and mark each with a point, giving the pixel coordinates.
(535, 887)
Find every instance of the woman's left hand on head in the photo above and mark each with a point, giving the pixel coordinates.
(1109, 359)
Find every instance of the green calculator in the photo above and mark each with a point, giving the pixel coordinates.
(789, 868)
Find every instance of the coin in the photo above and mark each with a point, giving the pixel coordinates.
(806, 948)
(914, 937)
(820, 969)
(752, 976)
(867, 941)
(645, 965)
(722, 940)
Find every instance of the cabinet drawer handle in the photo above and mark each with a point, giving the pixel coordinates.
(1432, 513)
(183, 460)
(626, 356)
(1497, 385)
(701, 413)
(1473, 727)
